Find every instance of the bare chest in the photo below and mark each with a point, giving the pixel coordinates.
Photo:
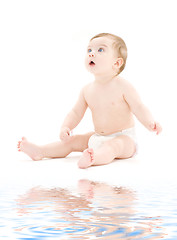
(110, 99)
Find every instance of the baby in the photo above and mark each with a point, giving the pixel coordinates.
(112, 101)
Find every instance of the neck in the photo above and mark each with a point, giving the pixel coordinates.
(103, 79)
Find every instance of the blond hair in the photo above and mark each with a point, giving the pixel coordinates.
(119, 46)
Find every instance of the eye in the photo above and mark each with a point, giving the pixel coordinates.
(89, 50)
(100, 50)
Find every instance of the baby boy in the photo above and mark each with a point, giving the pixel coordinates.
(112, 101)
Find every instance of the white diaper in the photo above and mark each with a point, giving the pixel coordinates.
(96, 140)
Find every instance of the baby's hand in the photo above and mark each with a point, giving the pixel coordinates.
(65, 134)
(155, 127)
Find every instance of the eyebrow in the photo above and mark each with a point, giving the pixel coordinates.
(103, 45)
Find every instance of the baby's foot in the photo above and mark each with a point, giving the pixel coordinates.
(32, 150)
(87, 158)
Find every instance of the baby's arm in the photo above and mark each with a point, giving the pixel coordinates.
(140, 110)
(74, 117)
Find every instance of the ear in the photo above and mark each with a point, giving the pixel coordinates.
(118, 63)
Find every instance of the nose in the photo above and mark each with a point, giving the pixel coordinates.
(92, 54)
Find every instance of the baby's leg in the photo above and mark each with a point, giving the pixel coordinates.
(120, 147)
(60, 149)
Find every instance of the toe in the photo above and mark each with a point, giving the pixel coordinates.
(90, 151)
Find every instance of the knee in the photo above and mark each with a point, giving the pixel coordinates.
(123, 147)
(73, 143)
(113, 147)
(117, 147)
(78, 143)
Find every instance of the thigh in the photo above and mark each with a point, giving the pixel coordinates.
(123, 146)
(80, 142)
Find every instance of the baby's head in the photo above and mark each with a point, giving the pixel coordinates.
(118, 45)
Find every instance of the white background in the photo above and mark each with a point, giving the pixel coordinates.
(42, 50)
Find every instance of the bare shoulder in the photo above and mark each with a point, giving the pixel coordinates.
(123, 82)
(125, 85)
(130, 94)
(84, 92)
(86, 88)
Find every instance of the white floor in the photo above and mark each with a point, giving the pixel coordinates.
(155, 163)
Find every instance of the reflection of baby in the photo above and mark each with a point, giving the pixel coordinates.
(70, 205)
(93, 204)
(112, 101)
(107, 196)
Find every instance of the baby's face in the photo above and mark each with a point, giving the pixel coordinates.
(100, 56)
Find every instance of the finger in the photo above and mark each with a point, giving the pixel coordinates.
(152, 126)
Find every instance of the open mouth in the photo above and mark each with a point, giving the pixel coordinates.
(92, 63)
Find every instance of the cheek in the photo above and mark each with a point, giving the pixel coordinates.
(107, 63)
(103, 61)
(106, 59)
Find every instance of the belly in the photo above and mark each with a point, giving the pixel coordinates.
(106, 124)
